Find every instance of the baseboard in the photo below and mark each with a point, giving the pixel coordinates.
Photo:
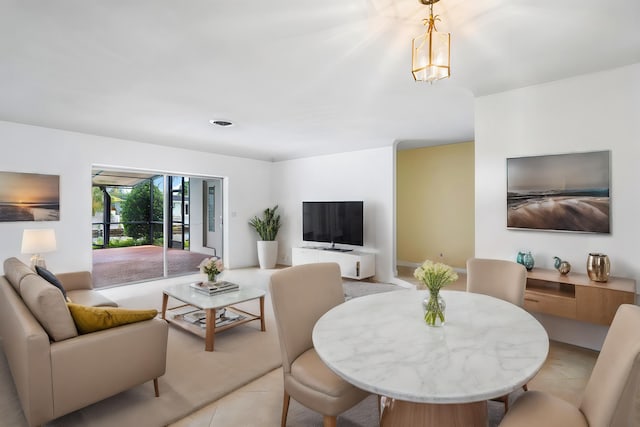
(401, 263)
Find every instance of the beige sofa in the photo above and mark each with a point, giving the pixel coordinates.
(56, 370)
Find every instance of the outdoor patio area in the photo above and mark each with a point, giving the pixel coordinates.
(117, 266)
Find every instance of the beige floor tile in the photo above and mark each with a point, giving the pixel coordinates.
(201, 418)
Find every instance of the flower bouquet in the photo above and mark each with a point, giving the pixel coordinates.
(434, 276)
(211, 267)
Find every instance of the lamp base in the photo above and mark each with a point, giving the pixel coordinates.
(37, 260)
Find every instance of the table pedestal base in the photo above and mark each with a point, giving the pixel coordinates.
(398, 413)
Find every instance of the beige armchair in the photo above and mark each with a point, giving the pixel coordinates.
(612, 395)
(55, 369)
(498, 278)
(300, 296)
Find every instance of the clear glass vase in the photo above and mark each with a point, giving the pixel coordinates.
(212, 277)
(434, 309)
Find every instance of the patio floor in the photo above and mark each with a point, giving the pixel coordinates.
(118, 266)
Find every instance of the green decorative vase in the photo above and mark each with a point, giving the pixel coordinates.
(528, 261)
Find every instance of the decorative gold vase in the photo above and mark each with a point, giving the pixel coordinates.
(598, 267)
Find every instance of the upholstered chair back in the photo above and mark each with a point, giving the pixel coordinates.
(498, 278)
(612, 395)
(300, 296)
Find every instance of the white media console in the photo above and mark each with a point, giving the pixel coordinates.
(353, 265)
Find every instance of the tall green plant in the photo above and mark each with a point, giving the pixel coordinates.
(137, 212)
(267, 227)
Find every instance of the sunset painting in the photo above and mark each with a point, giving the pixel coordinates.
(29, 197)
(564, 192)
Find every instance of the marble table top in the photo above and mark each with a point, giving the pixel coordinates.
(380, 343)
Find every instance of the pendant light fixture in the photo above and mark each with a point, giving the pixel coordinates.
(430, 54)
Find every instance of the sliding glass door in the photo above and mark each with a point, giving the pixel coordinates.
(212, 235)
(144, 225)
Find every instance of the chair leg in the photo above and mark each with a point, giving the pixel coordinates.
(505, 400)
(285, 408)
(155, 387)
(328, 421)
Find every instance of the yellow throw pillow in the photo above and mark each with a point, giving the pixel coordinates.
(92, 319)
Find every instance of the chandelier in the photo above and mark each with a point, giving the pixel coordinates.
(430, 54)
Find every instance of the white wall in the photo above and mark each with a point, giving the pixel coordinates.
(366, 175)
(592, 112)
(71, 155)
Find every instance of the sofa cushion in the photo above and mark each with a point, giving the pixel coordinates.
(92, 319)
(15, 270)
(90, 298)
(48, 306)
(51, 278)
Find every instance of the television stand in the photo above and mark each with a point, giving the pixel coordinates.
(353, 265)
(337, 249)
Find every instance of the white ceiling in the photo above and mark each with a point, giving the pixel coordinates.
(297, 77)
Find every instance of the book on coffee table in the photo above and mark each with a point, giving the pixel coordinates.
(194, 316)
(214, 288)
(223, 317)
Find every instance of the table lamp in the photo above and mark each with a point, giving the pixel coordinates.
(36, 242)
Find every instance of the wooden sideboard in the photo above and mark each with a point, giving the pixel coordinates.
(575, 296)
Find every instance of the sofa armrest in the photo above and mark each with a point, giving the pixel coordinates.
(26, 348)
(76, 280)
(92, 367)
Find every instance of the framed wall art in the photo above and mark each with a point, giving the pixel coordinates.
(562, 192)
(29, 197)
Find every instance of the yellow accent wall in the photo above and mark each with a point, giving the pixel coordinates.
(435, 204)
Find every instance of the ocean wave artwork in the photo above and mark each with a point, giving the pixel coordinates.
(564, 192)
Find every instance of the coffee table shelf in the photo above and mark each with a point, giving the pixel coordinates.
(210, 304)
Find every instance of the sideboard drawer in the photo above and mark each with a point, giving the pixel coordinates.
(550, 304)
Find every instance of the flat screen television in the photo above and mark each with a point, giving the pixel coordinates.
(333, 222)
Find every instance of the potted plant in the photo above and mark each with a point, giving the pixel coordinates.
(267, 228)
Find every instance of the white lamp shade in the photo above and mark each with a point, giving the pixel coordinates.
(38, 241)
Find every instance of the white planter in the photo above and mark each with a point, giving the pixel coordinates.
(267, 253)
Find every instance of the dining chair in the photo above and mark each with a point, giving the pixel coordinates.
(498, 278)
(612, 393)
(300, 296)
(501, 279)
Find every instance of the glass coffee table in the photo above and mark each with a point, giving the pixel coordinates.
(204, 315)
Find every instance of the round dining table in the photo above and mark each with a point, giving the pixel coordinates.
(429, 375)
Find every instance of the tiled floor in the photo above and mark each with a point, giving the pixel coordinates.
(259, 403)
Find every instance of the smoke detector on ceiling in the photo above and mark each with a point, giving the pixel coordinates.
(221, 123)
